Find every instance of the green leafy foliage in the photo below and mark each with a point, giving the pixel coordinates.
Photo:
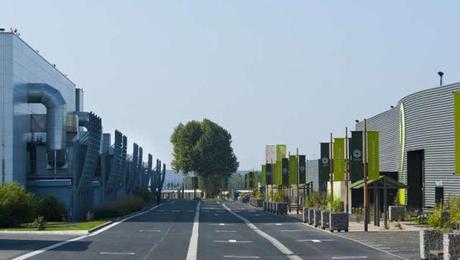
(204, 147)
(335, 205)
(40, 223)
(279, 196)
(144, 194)
(16, 205)
(435, 219)
(316, 200)
(51, 209)
(454, 210)
(120, 207)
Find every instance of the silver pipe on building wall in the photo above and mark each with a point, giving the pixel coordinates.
(55, 105)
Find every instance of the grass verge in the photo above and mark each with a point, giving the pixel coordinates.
(59, 226)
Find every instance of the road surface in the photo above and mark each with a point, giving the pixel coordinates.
(209, 230)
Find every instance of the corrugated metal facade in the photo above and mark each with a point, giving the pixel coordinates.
(421, 121)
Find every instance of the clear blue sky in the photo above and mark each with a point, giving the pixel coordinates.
(269, 71)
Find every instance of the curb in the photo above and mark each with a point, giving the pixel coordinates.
(45, 232)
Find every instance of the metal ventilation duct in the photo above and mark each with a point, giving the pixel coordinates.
(55, 105)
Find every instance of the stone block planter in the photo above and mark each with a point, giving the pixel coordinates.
(281, 208)
(311, 216)
(317, 217)
(430, 240)
(451, 244)
(396, 213)
(325, 219)
(305, 215)
(338, 221)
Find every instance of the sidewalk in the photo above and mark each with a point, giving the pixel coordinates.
(402, 243)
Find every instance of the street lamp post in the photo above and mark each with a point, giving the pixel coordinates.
(441, 74)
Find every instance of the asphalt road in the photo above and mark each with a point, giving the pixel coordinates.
(230, 230)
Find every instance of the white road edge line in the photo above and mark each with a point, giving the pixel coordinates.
(39, 251)
(275, 242)
(192, 252)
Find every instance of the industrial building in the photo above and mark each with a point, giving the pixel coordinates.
(52, 145)
(418, 143)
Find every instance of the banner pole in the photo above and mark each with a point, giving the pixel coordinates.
(366, 195)
(331, 165)
(347, 199)
(298, 181)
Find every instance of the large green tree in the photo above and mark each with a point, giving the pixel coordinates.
(205, 148)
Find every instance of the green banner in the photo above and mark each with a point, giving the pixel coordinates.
(280, 152)
(293, 169)
(324, 167)
(285, 171)
(302, 169)
(457, 131)
(373, 159)
(339, 159)
(251, 180)
(269, 169)
(263, 173)
(277, 174)
(356, 156)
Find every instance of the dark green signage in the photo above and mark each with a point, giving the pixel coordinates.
(269, 170)
(356, 156)
(285, 171)
(324, 167)
(302, 169)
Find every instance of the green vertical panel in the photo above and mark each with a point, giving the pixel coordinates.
(457, 131)
(280, 151)
(264, 175)
(269, 169)
(373, 155)
(356, 156)
(285, 171)
(293, 169)
(339, 159)
(324, 167)
(302, 169)
(277, 174)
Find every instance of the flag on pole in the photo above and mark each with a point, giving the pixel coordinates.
(293, 169)
(339, 159)
(302, 169)
(373, 155)
(285, 171)
(356, 156)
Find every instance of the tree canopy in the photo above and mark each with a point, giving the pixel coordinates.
(205, 148)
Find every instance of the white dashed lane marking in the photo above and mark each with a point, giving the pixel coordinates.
(350, 257)
(117, 253)
(315, 240)
(242, 256)
(232, 241)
